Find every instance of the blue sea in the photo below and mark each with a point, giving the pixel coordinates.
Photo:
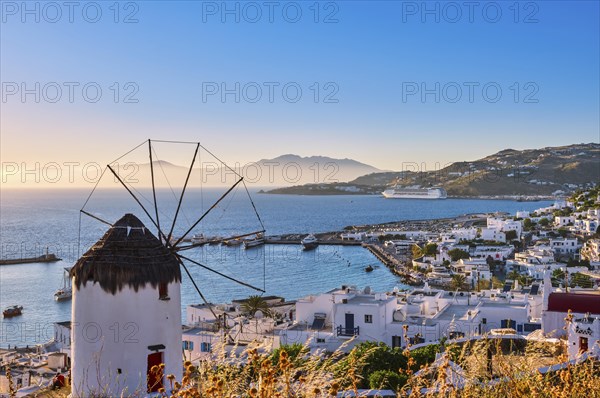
(32, 221)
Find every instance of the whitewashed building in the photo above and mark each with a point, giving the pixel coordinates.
(563, 221)
(493, 234)
(565, 246)
(583, 336)
(329, 320)
(474, 270)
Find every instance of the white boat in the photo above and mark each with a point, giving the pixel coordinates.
(309, 242)
(257, 241)
(66, 291)
(232, 242)
(415, 193)
(198, 239)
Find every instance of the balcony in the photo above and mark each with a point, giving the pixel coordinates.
(342, 331)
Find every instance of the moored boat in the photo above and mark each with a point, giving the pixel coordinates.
(198, 239)
(309, 242)
(66, 291)
(415, 193)
(232, 242)
(369, 268)
(254, 242)
(15, 310)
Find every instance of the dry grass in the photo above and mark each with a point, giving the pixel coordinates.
(256, 375)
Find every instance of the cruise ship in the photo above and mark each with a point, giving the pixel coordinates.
(415, 193)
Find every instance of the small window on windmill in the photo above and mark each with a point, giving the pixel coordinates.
(163, 291)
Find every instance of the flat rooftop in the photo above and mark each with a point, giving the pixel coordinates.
(369, 300)
(457, 312)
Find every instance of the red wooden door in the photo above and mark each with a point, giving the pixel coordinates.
(155, 379)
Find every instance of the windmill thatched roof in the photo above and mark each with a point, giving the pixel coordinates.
(127, 255)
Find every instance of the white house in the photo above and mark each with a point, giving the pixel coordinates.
(568, 246)
(557, 304)
(505, 225)
(563, 221)
(62, 336)
(464, 233)
(583, 336)
(474, 270)
(126, 314)
(493, 234)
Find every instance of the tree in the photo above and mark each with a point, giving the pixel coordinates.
(371, 357)
(430, 249)
(578, 263)
(528, 224)
(511, 235)
(496, 282)
(459, 281)
(457, 254)
(544, 222)
(514, 275)
(387, 380)
(563, 232)
(253, 304)
(558, 274)
(416, 251)
(578, 279)
(483, 284)
(294, 353)
(423, 356)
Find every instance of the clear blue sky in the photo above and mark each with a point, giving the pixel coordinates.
(371, 56)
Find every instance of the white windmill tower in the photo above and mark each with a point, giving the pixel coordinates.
(126, 314)
(126, 310)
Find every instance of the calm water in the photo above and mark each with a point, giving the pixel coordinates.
(30, 221)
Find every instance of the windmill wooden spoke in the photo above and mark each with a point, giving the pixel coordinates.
(95, 217)
(196, 286)
(220, 273)
(154, 191)
(183, 192)
(206, 212)
(136, 199)
(222, 162)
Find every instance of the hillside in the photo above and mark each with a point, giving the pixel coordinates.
(285, 170)
(510, 172)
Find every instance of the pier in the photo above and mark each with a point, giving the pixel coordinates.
(395, 264)
(45, 258)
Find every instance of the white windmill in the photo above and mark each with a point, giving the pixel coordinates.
(126, 311)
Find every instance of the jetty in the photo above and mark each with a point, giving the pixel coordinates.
(45, 258)
(396, 264)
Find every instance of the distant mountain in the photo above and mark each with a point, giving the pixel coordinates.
(285, 170)
(510, 172)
